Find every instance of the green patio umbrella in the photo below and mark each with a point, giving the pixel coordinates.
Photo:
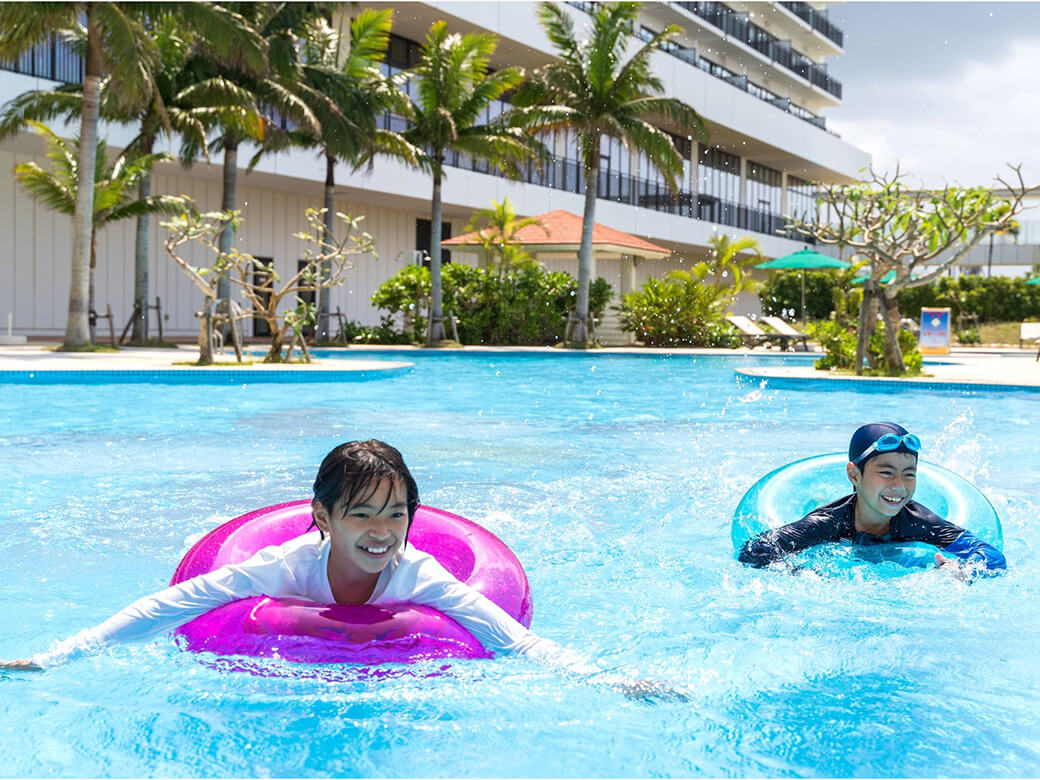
(884, 279)
(803, 260)
(1035, 280)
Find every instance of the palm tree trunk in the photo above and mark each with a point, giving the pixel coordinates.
(326, 268)
(77, 327)
(435, 332)
(139, 335)
(579, 333)
(91, 308)
(227, 203)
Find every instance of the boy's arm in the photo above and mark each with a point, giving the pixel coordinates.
(970, 549)
(964, 546)
(770, 546)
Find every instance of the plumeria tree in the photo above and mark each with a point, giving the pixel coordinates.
(260, 284)
(902, 229)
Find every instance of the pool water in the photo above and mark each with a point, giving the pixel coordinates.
(614, 479)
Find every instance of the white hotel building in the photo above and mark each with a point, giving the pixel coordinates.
(756, 71)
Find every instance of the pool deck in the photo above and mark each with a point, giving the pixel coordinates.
(981, 368)
(39, 360)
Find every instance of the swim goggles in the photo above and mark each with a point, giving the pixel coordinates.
(892, 441)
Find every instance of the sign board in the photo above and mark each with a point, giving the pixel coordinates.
(935, 332)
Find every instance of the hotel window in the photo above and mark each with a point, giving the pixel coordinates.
(614, 168)
(718, 175)
(801, 198)
(764, 191)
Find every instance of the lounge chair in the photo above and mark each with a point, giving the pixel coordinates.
(1028, 331)
(750, 334)
(787, 335)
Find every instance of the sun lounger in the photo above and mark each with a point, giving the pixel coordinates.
(786, 334)
(750, 333)
(1028, 331)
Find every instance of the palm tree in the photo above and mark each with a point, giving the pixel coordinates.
(112, 190)
(497, 236)
(117, 45)
(253, 96)
(453, 91)
(593, 90)
(349, 95)
(169, 112)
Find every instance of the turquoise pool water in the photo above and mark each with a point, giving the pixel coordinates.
(614, 479)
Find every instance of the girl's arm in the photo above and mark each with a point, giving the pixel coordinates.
(266, 572)
(431, 584)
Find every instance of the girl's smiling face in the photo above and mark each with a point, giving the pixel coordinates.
(884, 485)
(364, 537)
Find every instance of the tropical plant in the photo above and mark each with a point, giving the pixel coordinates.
(257, 99)
(454, 86)
(524, 305)
(113, 188)
(116, 46)
(901, 229)
(348, 95)
(496, 230)
(596, 91)
(678, 310)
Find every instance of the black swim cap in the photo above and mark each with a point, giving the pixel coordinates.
(867, 434)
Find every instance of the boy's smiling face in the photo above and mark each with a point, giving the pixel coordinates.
(884, 485)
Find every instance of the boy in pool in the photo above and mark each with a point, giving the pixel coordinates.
(882, 468)
(364, 502)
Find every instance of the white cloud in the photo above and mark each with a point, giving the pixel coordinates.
(964, 126)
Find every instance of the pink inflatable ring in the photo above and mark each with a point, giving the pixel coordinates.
(310, 632)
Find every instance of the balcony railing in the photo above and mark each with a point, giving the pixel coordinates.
(53, 60)
(568, 175)
(690, 57)
(817, 20)
(737, 25)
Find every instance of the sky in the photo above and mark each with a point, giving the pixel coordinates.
(949, 90)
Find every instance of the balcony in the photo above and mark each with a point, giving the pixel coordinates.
(737, 26)
(817, 20)
(53, 60)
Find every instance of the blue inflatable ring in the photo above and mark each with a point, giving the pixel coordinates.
(790, 492)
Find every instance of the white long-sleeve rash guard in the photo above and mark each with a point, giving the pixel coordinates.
(298, 569)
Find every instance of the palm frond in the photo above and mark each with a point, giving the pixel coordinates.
(45, 187)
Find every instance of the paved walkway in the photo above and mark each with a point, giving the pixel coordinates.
(40, 361)
(980, 368)
(983, 367)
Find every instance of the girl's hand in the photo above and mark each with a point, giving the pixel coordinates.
(23, 665)
(952, 565)
(649, 691)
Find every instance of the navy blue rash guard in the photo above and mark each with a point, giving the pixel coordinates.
(837, 520)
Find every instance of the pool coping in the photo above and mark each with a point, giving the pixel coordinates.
(810, 378)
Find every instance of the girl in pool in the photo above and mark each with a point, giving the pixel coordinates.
(363, 505)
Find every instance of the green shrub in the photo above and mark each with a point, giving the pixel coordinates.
(522, 306)
(839, 346)
(678, 310)
(781, 294)
(969, 336)
(990, 298)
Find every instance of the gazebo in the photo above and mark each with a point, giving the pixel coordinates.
(557, 241)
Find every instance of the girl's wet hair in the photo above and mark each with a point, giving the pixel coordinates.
(351, 473)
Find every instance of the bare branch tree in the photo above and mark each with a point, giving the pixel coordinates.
(260, 284)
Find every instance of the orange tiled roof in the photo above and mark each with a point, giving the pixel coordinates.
(562, 229)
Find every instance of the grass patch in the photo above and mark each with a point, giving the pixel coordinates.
(84, 348)
(999, 333)
(156, 343)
